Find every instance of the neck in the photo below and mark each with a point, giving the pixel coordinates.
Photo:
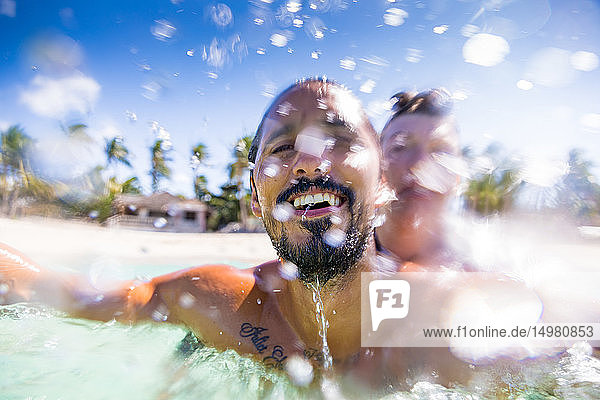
(340, 301)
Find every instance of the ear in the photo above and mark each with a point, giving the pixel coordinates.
(254, 203)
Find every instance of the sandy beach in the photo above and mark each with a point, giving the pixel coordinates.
(57, 243)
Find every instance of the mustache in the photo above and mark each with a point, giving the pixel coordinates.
(304, 184)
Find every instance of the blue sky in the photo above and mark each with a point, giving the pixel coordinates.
(524, 73)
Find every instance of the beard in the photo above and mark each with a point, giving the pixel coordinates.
(319, 258)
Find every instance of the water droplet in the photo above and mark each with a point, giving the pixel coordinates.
(278, 40)
(394, 16)
(324, 166)
(221, 15)
(293, 6)
(440, 29)
(160, 223)
(379, 220)
(348, 63)
(368, 86)
(485, 50)
(469, 30)
(4, 288)
(310, 141)
(221, 332)
(315, 28)
(190, 52)
(414, 55)
(160, 313)
(299, 370)
(271, 170)
(258, 301)
(283, 211)
(460, 95)
(152, 90)
(334, 237)
(285, 108)
(186, 300)
(524, 85)
(288, 271)
(163, 30)
(131, 116)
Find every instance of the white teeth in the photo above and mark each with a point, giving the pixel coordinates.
(315, 198)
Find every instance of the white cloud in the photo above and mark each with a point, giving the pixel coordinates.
(58, 97)
(4, 125)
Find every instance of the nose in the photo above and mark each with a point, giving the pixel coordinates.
(309, 165)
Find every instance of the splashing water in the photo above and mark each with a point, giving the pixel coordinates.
(323, 324)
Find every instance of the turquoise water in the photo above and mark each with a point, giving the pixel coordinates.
(46, 355)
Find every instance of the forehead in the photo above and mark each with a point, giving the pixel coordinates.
(334, 109)
(427, 127)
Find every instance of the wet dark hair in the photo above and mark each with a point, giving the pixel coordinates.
(436, 102)
(317, 85)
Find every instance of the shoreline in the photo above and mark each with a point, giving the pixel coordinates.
(60, 243)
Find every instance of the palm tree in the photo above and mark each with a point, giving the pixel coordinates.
(237, 170)
(199, 156)
(578, 191)
(77, 132)
(159, 168)
(15, 146)
(492, 193)
(116, 152)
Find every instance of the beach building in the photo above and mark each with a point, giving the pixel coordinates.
(160, 211)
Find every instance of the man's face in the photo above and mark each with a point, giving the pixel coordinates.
(419, 152)
(317, 177)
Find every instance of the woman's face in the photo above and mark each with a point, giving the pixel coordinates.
(420, 158)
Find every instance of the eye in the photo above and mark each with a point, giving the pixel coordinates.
(284, 147)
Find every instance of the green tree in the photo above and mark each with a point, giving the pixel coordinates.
(237, 170)
(159, 168)
(116, 152)
(578, 191)
(15, 172)
(492, 188)
(493, 192)
(199, 156)
(77, 132)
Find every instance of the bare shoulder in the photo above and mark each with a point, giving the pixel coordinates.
(224, 286)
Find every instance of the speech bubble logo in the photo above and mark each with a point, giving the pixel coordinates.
(389, 299)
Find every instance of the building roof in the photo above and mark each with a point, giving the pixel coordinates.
(162, 201)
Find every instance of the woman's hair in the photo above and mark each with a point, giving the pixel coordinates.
(431, 102)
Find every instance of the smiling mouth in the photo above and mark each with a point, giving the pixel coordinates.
(316, 203)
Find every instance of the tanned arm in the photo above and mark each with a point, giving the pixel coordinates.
(187, 297)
